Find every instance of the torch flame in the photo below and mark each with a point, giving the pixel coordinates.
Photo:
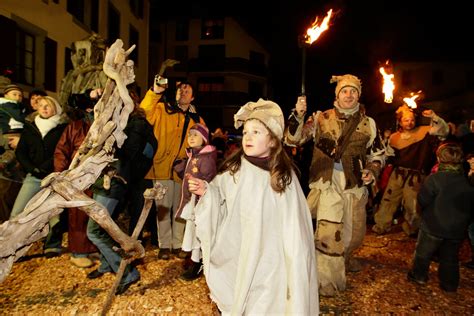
(313, 33)
(388, 85)
(411, 100)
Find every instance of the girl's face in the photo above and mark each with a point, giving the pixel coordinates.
(45, 109)
(195, 139)
(256, 140)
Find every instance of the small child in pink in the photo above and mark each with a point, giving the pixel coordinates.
(201, 163)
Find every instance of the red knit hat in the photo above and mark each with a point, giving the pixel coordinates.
(202, 130)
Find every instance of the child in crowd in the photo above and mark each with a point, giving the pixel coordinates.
(11, 123)
(35, 153)
(12, 113)
(201, 163)
(447, 203)
(255, 226)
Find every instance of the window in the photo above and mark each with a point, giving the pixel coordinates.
(210, 84)
(212, 28)
(76, 8)
(182, 30)
(181, 53)
(136, 6)
(438, 77)
(25, 58)
(113, 24)
(8, 52)
(50, 56)
(85, 12)
(94, 25)
(133, 39)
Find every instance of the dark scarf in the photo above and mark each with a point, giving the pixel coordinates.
(262, 163)
(454, 168)
(351, 124)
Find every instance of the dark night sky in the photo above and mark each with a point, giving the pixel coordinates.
(362, 35)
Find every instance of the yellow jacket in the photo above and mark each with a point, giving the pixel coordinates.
(168, 130)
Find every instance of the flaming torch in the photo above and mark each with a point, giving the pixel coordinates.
(410, 101)
(388, 84)
(312, 34)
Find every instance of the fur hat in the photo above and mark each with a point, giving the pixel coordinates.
(267, 112)
(346, 81)
(11, 87)
(202, 130)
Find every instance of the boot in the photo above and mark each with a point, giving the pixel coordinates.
(193, 272)
(470, 264)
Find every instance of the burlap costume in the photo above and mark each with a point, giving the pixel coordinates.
(413, 156)
(346, 143)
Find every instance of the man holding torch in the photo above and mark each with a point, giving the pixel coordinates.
(347, 156)
(411, 151)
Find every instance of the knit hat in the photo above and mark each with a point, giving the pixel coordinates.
(11, 87)
(346, 81)
(202, 130)
(267, 112)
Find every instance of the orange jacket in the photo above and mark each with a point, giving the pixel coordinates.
(168, 130)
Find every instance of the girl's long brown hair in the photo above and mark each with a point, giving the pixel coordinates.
(281, 165)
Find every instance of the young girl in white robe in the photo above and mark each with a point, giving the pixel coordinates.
(255, 227)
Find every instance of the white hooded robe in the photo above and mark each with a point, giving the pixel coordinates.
(258, 247)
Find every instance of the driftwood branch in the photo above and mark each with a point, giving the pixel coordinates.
(153, 194)
(65, 189)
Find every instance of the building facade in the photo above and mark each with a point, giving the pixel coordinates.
(37, 37)
(222, 60)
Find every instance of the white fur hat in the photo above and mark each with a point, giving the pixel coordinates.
(268, 112)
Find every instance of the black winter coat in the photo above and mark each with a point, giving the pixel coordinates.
(35, 152)
(447, 203)
(133, 163)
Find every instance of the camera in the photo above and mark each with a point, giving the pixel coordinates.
(159, 80)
